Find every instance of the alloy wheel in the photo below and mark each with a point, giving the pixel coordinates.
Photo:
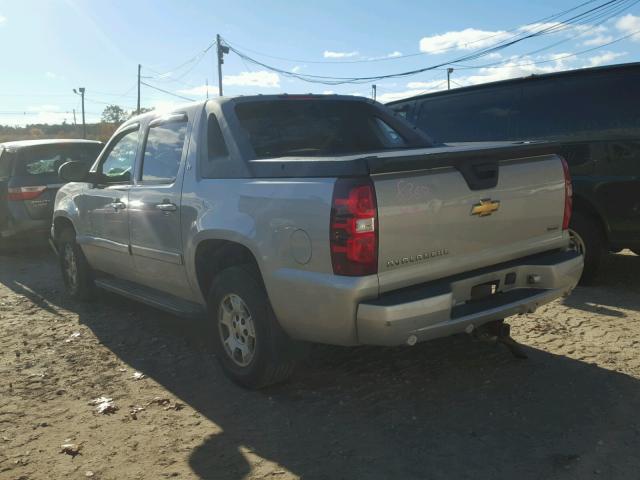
(237, 330)
(70, 267)
(577, 243)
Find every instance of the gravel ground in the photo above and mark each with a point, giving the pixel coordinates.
(448, 409)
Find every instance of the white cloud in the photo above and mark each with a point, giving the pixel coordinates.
(260, 78)
(467, 39)
(394, 54)
(328, 92)
(598, 40)
(297, 68)
(605, 57)
(3, 19)
(200, 91)
(425, 85)
(628, 25)
(330, 54)
(50, 75)
(47, 113)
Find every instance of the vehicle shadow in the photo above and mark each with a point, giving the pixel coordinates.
(619, 275)
(446, 409)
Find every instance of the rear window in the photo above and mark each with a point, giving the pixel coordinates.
(315, 128)
(44, 160)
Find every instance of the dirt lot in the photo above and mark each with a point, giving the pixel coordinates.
(449, 409)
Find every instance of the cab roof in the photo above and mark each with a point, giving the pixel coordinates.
(18, 144)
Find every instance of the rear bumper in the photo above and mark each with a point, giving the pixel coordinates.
(442, 308)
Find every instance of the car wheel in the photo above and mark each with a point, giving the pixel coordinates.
(587, 238)
(251, 346)
(76, 272)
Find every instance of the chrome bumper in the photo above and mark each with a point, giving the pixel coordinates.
(442, 308)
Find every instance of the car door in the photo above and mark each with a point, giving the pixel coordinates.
(154, 207)
(104, 215)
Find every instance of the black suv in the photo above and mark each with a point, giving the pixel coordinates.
(29, 182)
(589, 116)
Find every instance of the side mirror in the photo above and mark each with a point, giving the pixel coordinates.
(74, 172)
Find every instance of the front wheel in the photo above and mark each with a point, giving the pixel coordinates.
(76, 272)
(250, 345)
(588, 238)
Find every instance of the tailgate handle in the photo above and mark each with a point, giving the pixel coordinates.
(479, 175)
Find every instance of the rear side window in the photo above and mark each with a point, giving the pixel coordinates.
(45, 160)
(163, 152)
(314, 128)
(477, 116)
(216, 146)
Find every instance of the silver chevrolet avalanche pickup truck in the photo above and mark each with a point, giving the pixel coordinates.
(314, 218)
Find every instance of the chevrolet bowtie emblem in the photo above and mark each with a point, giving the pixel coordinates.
(485, 207)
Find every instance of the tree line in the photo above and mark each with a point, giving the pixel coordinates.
(111, 118)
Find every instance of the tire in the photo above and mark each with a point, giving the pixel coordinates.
(588, 238)
(251, 346)
(76, 272)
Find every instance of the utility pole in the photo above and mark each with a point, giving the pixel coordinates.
(222, 49)
(80, 92)
(375, 91)
(449, 72)
(138, 109)
(74, 117)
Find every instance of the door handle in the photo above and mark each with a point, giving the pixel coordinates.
(167, 207)
(117, 205)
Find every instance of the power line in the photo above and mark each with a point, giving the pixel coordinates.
(410, 55)
(555, 59)
(196, 58)
(167, 92)
(544, 30)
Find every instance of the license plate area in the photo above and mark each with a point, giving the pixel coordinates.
(484, 290)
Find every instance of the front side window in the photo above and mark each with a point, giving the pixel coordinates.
(163, 152)
(118, 166)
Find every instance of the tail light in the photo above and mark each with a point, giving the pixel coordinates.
(568, 196)
(24, 193)
(354, 225)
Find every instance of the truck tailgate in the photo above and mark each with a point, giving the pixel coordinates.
(441, 221)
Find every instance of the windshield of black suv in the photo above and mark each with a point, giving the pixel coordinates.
(319, 128)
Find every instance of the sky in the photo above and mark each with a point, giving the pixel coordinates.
(48, 48)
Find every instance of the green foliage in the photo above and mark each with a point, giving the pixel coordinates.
(95, 131)
(114, 114)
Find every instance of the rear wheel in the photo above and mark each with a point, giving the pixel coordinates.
(76, 272)
(588, 238)
(250, 345)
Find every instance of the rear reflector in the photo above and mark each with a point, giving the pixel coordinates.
(25, 193)
(568, 195)
(353, 229)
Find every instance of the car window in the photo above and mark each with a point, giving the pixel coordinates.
(217, 148)
(5, 167)
(163, 152)
(391, 136)
(118, 165)
(312, 128)
(481, 115)
(44, 161)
